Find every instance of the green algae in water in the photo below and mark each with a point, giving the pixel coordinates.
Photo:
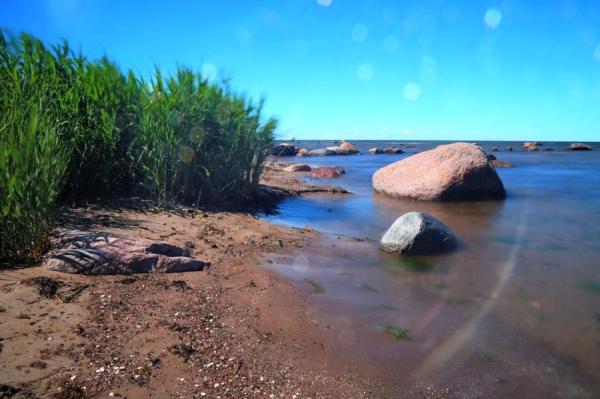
(399, 333)
(370, 288)
(460, 301)
(316, 287)
(387, 306)
(485, 356)
(592, 286)
(411, 263)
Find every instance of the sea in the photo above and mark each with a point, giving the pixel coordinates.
(514, 312)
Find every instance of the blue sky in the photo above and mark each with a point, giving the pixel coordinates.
(413, 70)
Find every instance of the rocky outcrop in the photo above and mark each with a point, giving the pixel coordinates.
(327, 172)
(101, 254)
(297, 167)
(392, 150)
(580, 147)
(452, 172)
(284, 149)
(417, 233)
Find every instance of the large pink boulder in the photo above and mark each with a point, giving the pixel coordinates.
(452, 172)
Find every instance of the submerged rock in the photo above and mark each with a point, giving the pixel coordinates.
(452, 172)
(101, 254)
(580, 147)
(284, 149)
(501, 164)
(416, 233)
(327, 172)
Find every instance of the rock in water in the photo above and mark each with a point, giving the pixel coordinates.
(452, 172)
(580, 147)
(284, 149)
(327, 172)
(530, 146)
(416, 233)
(392, 150)
(321, 152)
(348, 148)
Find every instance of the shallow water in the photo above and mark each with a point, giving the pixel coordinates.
(516, 310)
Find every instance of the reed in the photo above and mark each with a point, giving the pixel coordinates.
(174, 138)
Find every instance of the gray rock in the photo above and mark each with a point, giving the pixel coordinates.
(284, 149)
(416, 233)
(321, 152)
(580, 147)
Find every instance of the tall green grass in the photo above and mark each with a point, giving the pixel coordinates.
(170, 138)
(198, 141)
(33, 161)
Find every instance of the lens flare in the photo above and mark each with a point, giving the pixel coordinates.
(324, 3)
(365, 72)
(360, 33)
(186, 154)
(492, 18)
(412, 91)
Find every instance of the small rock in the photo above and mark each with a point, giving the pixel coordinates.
(375, 150)
(417, 233)
(284, 149)
(302, 152)
(327, 172)
(530, 146)
(297, 167)
(580, 147)
(392, 150)
(320, 152)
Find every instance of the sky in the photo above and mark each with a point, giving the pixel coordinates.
(345, 69)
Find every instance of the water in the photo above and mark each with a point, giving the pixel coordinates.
(516, 310)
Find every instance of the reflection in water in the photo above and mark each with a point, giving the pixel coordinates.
(514, 307)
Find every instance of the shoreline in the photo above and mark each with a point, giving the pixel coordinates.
(234, 330)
